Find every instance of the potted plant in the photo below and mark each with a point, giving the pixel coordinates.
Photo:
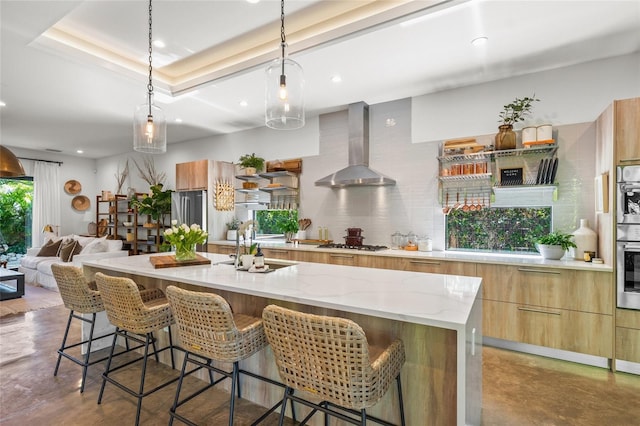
(289, 227)
(251, 163)
(512, 113)
(232, 229)
(554, 244)
(156, 205)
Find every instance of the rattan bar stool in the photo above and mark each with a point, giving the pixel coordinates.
(79, 298)
(330, 358)
(210, 331)
(136, 315)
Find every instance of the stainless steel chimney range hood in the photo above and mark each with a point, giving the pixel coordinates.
(358, 173)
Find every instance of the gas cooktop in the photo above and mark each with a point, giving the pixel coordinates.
(364, 247)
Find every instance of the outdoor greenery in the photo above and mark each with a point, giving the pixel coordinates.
(497, 229)
(16, 197)
(517, 110)
(276, 221)
(557, 238)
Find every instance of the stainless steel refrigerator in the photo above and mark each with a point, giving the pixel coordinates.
(190, 207)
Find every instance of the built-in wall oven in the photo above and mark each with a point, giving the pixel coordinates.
(628, 237)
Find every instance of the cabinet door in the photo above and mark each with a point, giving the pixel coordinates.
(382, 262)
(221, 249)
(192, 175)
(586, 291)
(627, 131)
(628, 335)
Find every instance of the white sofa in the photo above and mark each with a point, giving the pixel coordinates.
(37, 269)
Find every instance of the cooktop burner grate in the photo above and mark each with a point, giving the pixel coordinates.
(364, 247)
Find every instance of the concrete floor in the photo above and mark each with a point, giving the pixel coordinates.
(518, 389)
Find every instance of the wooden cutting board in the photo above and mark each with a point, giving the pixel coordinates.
(169, 261)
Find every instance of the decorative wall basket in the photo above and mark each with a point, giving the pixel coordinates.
(72, 187)
(224, 197)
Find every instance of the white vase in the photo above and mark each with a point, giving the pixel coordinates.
(232, 234)
(586, 240)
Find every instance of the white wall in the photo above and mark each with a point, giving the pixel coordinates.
(567, 95)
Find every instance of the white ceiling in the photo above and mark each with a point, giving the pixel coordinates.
(72, 72)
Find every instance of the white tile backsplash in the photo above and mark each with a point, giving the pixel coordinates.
(413, 204)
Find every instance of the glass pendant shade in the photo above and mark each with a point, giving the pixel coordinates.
(284, 95)
(149, 131)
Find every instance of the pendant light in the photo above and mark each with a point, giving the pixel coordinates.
(149, 124)
(10, 166)
(284, 89)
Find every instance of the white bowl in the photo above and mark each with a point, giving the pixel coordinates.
(550, 251)
(127, 223)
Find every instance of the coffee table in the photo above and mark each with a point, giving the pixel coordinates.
(11, 284)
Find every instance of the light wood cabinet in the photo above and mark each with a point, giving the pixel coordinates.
(627, 131)
(221, 249)
(192, 175)
(437, 266)
(628, 335)
(558, 308)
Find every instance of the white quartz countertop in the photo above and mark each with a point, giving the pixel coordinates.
(492, 258)
(443, 301)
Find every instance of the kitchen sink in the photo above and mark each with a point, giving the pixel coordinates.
(273, 263)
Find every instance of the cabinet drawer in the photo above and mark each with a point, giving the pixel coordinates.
(342, 259)
(438, 266)
(582, 332)
(585, 291)
(221, 249)
(279, 253)
(628, 344)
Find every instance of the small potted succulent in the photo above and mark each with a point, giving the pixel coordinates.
(554, 244)
(512, 113)
(251, 163)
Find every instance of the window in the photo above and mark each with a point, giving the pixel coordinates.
(497, 229)
(271, 222)
(16, 197)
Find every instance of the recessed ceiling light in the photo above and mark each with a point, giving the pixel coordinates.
(2, 104)
(178, 120)
(479, 41)
(159, 43)
(244, 103)
(253, 1)
(336, 79)
(79, 151)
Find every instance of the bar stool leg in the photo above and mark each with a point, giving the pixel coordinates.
(363, 417)
(284, 405)
(106, 370)
(174, 407)
(149, 338)
(86, 356)
(64, 342)
(234, 383)
(402, 422)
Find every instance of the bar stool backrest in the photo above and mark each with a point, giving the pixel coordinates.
(206, 326)
(124, 305)
(327, 356)
(75, 291)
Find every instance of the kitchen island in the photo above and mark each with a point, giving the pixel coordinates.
(439, 318)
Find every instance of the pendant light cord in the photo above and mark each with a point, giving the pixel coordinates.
(283, 37)
(150, 85)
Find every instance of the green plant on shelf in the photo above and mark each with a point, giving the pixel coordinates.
(517, 110)
(251, 160)
(557, 238)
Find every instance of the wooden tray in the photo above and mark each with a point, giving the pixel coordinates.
(317, 242)
(169, 261)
